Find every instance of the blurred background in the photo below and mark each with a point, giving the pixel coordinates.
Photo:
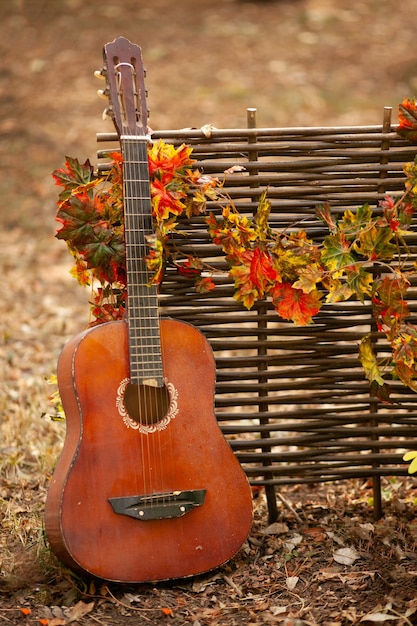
(299, 62)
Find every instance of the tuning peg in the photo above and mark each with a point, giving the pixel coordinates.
(102, 93)
(100, 74)
(106, 115)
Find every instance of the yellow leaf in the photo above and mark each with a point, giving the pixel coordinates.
(369, 361)
(411, 456)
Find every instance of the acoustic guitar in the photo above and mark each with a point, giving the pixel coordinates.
(146, 487)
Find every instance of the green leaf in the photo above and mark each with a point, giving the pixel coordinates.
(354, 222)
(78, 217)
(374, 243)
(337, 253)
(74, 174)
(359, 281)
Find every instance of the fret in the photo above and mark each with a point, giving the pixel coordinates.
(138, 320)
(146, 330)
(146, 337)
(151, 364)
(149, 359)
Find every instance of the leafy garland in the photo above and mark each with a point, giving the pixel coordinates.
(297, 275)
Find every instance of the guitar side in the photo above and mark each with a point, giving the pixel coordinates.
(105, 456)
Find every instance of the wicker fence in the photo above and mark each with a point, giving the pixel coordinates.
(293, 401)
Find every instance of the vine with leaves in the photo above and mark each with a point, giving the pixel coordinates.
(298, 275)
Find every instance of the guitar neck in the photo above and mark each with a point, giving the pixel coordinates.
(142, 299)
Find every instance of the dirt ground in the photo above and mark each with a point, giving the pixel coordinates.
(299, 62)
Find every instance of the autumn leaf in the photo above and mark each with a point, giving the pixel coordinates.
(74, 174)
(204, 284)
(262, 218)
(404, 346)
(295, 305)
(359, 281)
(79, 610)
(355, 222)
(78, 217)
(407, 118)
(411, 456)
(234, 233)
(253, 276)
(337, 252)
(263, 274)
(164, 158)
(293, 256)
(81, 272)
(323, 211)
(308, 277)
(240, 227)
(155, 259)
(381, 392)
(388, 301)
(167, 611)
(165, 201)
(346, 556)
(191, 268)
(338, 291)
(25, 611)
(369, 361)
(374, 243)
(410, 170)
(104, 250)
(406, 374)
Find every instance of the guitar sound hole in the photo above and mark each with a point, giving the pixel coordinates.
(146, 404)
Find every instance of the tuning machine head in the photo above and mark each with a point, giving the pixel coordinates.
(103, 93)
(101, 74)
(107, 114)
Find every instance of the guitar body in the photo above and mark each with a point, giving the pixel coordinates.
(108, 455)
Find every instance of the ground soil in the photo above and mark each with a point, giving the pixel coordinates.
(299, 62)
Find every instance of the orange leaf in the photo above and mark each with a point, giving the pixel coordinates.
(167, 611)
(295, 305)
(44, 622)
(25, 611)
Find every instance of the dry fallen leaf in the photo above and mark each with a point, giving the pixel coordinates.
(277, 528)
(346, 556)
(79, 610)
(379, 617)
(291, 582)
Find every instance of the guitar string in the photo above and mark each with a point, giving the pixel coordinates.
(146, 335)
(131, 305)
(146, 332)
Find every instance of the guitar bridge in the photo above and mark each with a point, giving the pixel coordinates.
(159, 505)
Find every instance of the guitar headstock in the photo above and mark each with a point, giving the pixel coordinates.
(125, 76)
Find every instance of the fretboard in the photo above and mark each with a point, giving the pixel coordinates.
(142, 301)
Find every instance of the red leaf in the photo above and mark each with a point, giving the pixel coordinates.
(295, 305)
